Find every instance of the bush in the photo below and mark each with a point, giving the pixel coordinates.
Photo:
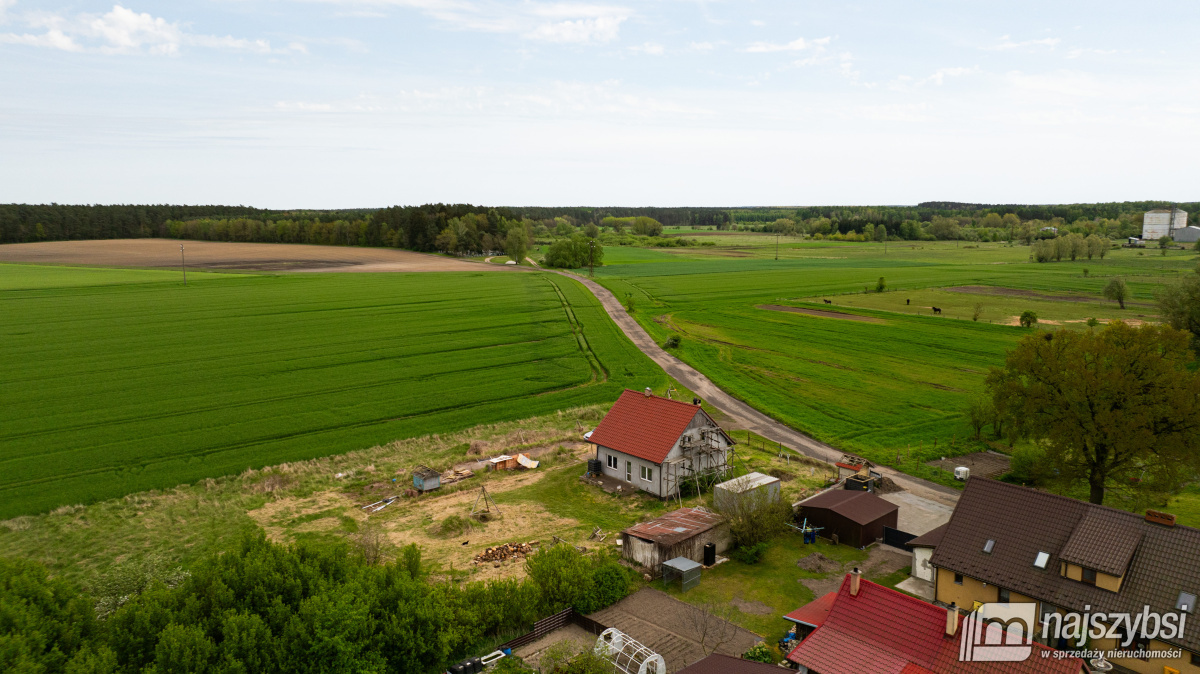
(750, 554)
(1028, 319)
(672, 342)
(759, 652)
(1028, 465)
(881, 285)
(755, 516)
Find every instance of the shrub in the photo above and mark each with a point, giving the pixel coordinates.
(1028, 319)
(750, 554)
(881, 285)
(759, 652)
(755, 516)
(672, 342)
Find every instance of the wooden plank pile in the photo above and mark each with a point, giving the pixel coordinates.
(503, 553)
(451, 476)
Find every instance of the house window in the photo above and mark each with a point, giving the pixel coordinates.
(1186, 602)
(647, 473)
(1089, 576)
(958, 579)
(629, 471)
(612, 461)
(1002, 596)
(1196, 659)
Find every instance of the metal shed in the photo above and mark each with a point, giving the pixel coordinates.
(728, 492)
(687, 571)
(426, 478)
(679, 533)
(856, 517)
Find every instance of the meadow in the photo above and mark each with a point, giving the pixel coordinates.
(894, 387)
(118, 381)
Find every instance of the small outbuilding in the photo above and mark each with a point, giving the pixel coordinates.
(750, 485)
(922, 549)
(426, 479)
(679, 533)
(857, 518)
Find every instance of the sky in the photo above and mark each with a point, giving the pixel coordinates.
(370, 103)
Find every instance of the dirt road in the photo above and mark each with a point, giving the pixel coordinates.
(742, 414)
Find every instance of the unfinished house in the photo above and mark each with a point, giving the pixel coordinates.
(656, 444)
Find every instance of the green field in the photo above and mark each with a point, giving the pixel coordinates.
(893, 386)
(117, 381)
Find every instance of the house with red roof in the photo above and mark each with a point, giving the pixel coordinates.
(868, 628)
(654, 444)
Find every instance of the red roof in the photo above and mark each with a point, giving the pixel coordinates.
(644, 426)
(883, 631)
(814, 612)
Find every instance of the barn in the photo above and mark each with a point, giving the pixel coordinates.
(857, 518)
(679, 533)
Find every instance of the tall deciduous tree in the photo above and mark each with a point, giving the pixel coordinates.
(1112, 407)
(1179, 304)
(1117, 290)
(516, 244)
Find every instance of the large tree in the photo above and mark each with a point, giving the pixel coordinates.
(1113, 407)
(1179, 304)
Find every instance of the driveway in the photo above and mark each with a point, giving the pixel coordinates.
(742, 414)
(917, 514)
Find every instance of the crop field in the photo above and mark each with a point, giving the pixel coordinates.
(889, 388)
(116, 381)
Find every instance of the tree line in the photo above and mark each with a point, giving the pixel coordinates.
(263, 607)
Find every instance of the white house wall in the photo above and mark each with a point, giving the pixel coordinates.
(921, 566)
(657, 485)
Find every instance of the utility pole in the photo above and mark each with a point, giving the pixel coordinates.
(183, 264)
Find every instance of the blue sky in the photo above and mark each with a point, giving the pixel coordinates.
(358, 103)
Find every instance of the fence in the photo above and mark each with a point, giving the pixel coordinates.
(897, 538)
(557, 621)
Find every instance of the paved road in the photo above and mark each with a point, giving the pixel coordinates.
(743, 415)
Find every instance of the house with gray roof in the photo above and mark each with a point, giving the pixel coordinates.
(1006, 543)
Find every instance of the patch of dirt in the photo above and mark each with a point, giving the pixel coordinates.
(818, 563)
(219, 255)
(887, 486)
(751, 607)
(982, 464)
(820, 313)
(1134, 322)
(881, 560)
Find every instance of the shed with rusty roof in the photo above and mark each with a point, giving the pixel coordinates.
(856, 517)
(655, 444)
(679, 533)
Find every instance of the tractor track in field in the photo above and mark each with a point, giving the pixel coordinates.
(743, 414)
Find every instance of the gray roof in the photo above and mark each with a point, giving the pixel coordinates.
(1158, 561)
(746, 482)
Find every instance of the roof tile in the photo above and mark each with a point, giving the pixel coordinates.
(645, 426)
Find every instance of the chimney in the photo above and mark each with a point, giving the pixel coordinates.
(855, 580)
(951, 619)
(1158, 517)
(647, 392)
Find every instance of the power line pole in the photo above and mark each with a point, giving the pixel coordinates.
(183, 264)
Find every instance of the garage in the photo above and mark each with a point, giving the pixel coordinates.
(854, 518)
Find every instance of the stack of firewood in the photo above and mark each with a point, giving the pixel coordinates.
(506, 552)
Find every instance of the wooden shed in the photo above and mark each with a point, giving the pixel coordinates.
(856, 517)
(426, 479)
(679, 533)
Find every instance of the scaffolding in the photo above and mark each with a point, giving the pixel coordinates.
(627, 655)
(702, 457)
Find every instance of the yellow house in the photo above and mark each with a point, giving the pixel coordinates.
(1006, 543)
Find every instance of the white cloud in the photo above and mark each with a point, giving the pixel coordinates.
(940, 76)
(758, 23)
(799, 44)
(55, 39)
(4, 5)
(1006, 44)
(701, 46)
(599, 29)
(124, 31)
(650, 48)
(1076, 53)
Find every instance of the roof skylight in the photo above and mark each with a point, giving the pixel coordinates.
(1043, 558)
(1186, 602)
(987, 547)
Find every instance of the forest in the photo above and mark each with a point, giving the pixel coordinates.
(467, 229)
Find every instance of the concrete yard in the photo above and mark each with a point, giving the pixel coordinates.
(917, 514)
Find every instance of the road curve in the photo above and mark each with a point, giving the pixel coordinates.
(744, 415)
